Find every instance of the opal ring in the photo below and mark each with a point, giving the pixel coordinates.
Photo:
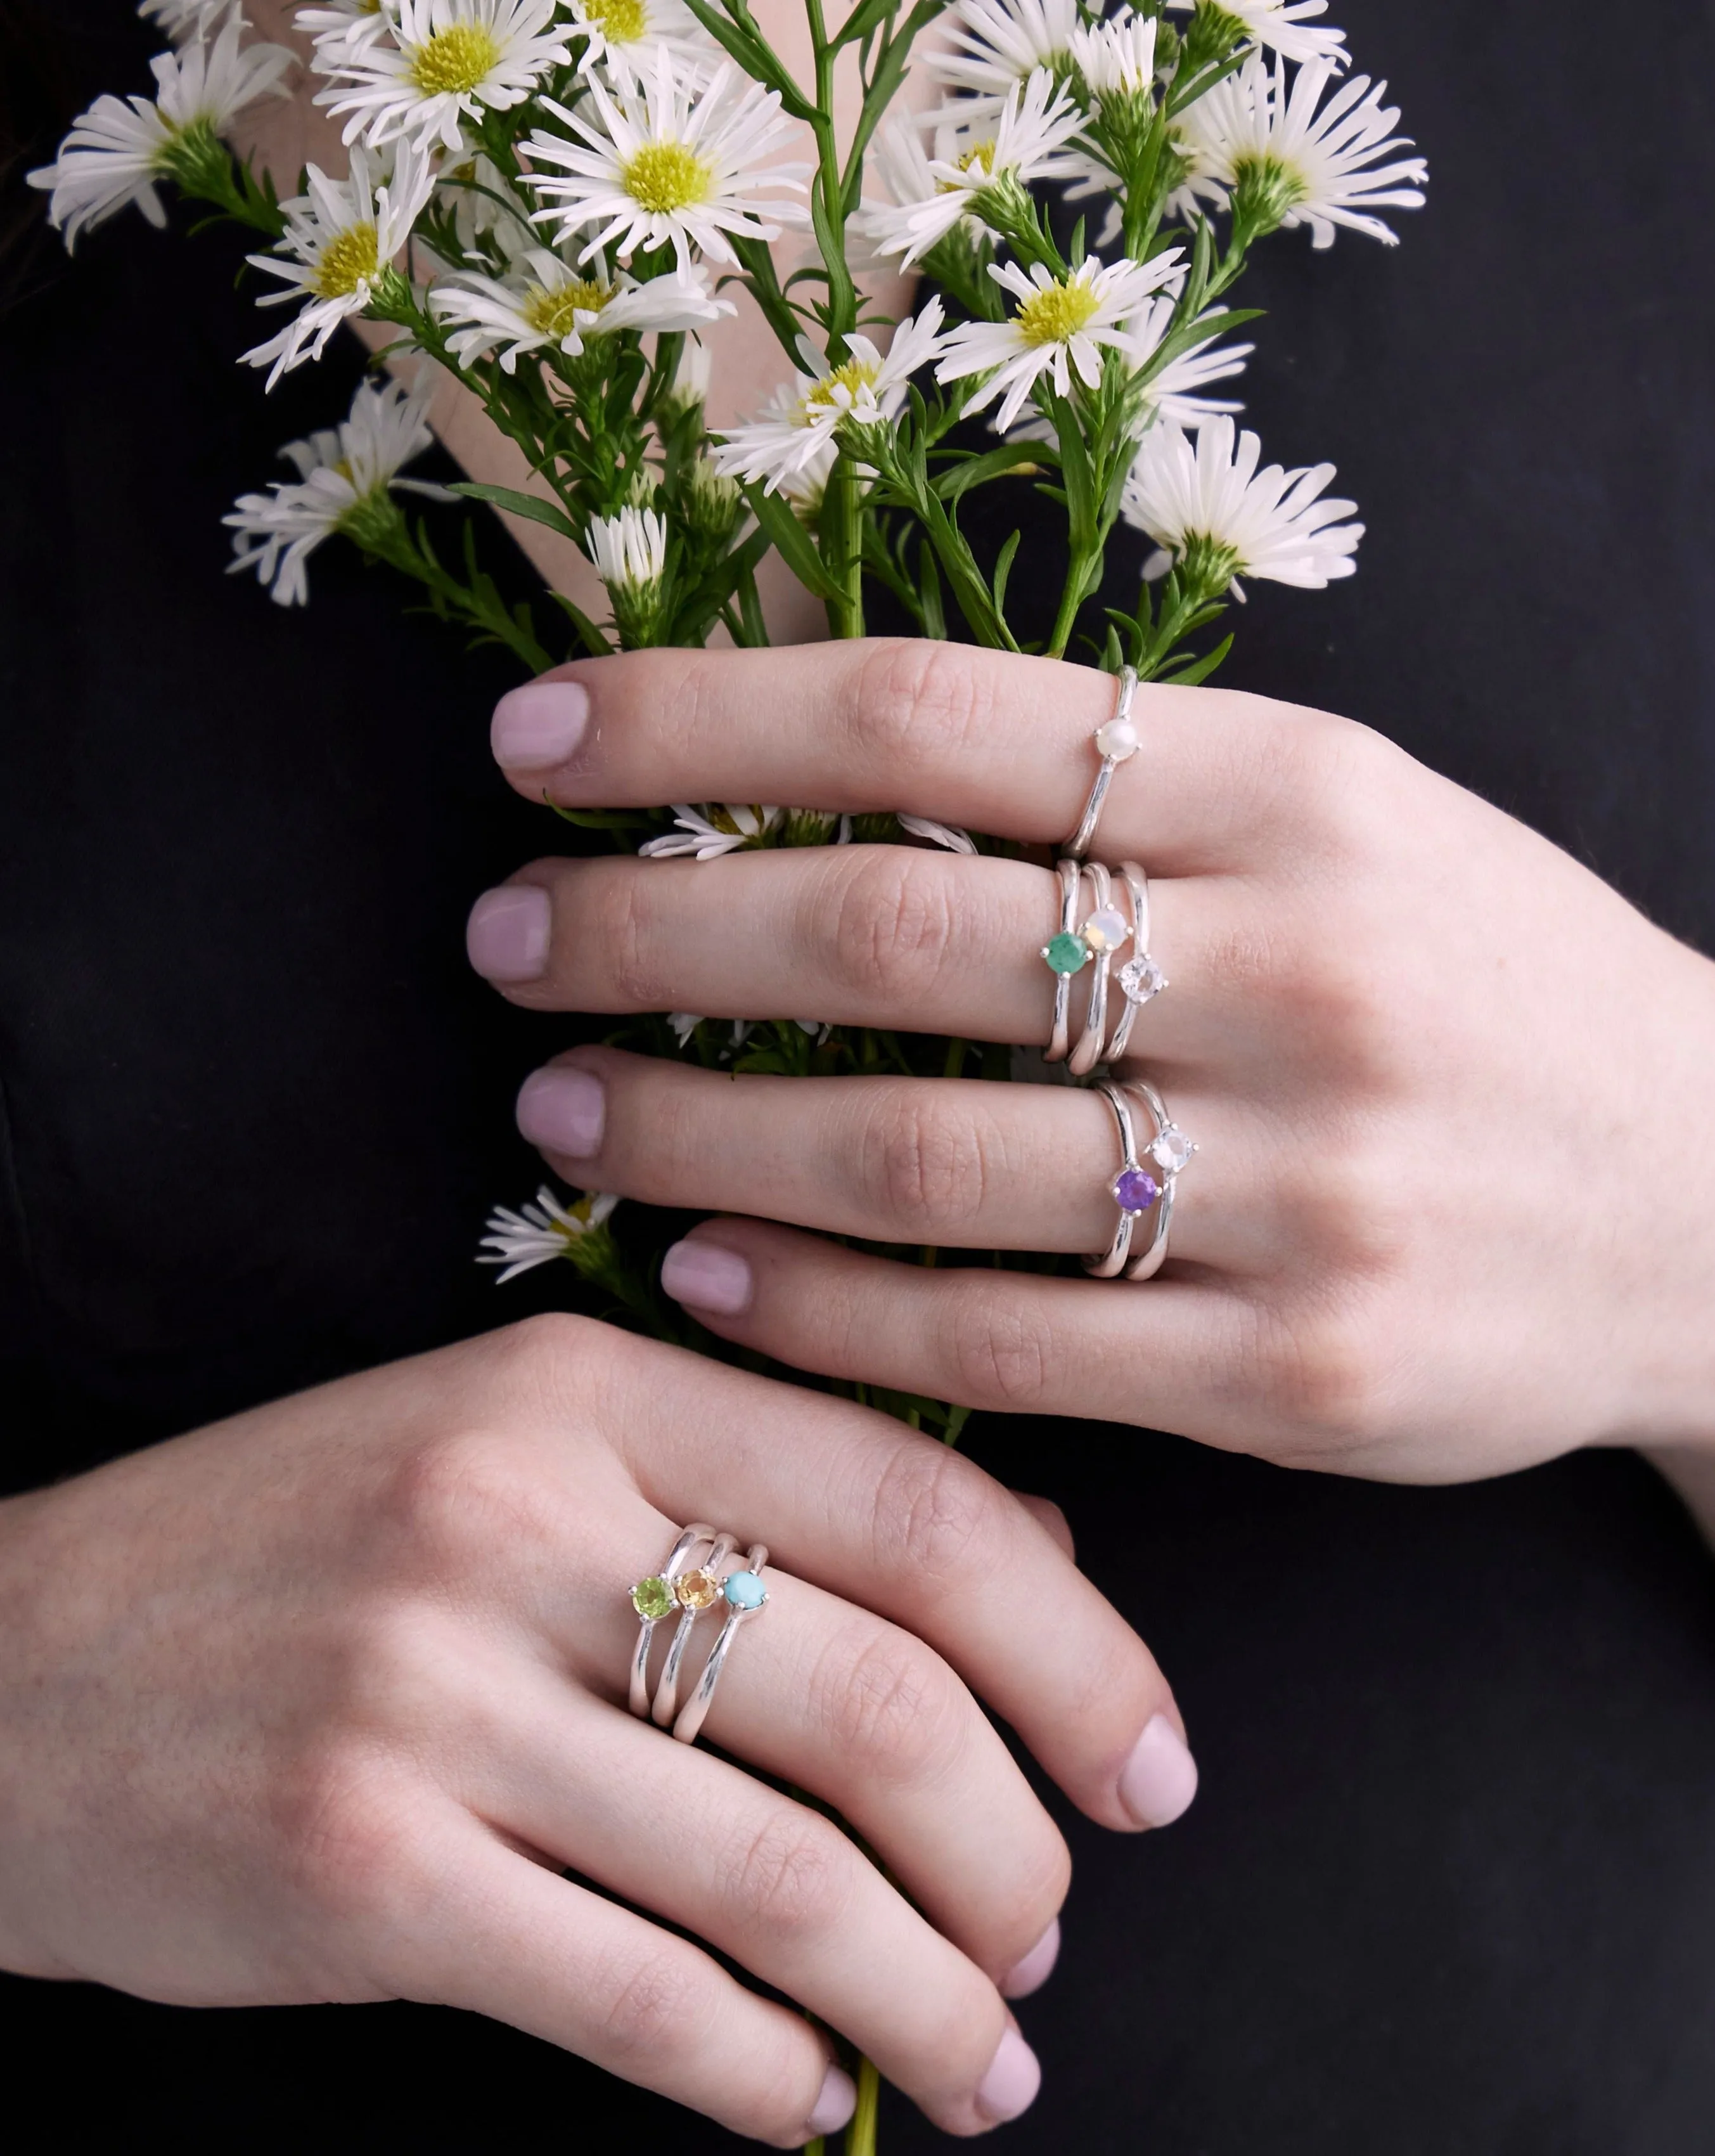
(1138, 1188)
(657, 1597)
(695, 1591)
(745, 1594)
(1116, 741)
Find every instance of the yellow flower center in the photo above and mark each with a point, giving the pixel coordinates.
(347, 261)
(854, 377)
(621, 21)
(1052, 316)
(454, 60)
(664, 177)
(553, 314)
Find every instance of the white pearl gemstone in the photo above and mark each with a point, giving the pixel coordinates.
(1117, 740)
(1106, 929)
(1172, 1149)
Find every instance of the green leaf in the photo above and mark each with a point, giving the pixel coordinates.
(1003, 569)
(520, 505)
(792, 542)
(594, 641)
(1194, 676)
(973, 470)
(603, 819)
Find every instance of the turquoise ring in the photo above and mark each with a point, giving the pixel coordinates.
(745, 1592)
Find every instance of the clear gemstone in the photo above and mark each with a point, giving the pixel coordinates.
(1141, 979)
(1106, 929)
(1135, 1191)
(652, 1598)
(1172, 1149)
(1118, 740)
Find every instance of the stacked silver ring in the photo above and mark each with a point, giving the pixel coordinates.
(1135, 1191)
(1099, 937)
(690, 1589)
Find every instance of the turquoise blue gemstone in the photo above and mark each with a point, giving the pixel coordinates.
(745, 1591)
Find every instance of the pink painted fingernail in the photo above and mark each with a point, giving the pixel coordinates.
(1033, 1972)
(563, 1111)
(707, 1278)
(539, 725)
(1158, 1782)
(507, 934)
(1010, 2086)
(834, 2107)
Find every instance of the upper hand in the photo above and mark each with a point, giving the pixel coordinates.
(1455, 1206)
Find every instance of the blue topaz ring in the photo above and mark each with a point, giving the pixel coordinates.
(744, 1593)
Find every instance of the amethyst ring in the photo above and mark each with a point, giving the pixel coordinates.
(1139, 1189)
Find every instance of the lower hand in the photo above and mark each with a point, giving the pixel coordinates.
(317, 1704)
(1455, 1207)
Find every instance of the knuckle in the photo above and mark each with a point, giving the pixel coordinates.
(345, 1831)
(790, 1879)
(456, 1501)
(895, 1706)
(1328, 1382)
(891, 923)
(623, 923)
(936, 1516)
(1352, 1208)
(1001, 1354)
(922, 1166)
(912, 701)
(657, 2010)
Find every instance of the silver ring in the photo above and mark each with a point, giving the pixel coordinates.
(1116, 741)
(1141, 979)
(1066, 954)
(654, 1597)
(745, 1595)
(695, 1591)
(1135, 1189)
(1104, 932)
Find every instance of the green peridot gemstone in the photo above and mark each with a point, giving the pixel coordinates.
(1067, 954)
(652, 1597)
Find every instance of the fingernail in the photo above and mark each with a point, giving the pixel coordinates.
(1033, 1972)
(1010, 2084)
(539, 725)
(707, 1278)
(1159, 1780)
(507, 934)
(834, 2107)
(563, 1111)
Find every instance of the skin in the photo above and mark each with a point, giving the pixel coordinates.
(1455, 1208)
(318, 1704)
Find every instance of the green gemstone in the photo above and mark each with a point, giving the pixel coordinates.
(652, 1597)
(1068, 954)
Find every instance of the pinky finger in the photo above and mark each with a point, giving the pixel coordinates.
(527, 1947)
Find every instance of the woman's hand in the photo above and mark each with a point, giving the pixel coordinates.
(1455, 1206)
(316, 1704)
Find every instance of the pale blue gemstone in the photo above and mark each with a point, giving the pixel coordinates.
(744, 1591)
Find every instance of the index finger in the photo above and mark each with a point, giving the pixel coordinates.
(904, 1526)
(989, 741)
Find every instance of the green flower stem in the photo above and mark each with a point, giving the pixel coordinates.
(841, 531)
(860, 2134)
(205, 170)
(377, 526)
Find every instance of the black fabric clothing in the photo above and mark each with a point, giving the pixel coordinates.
(1450, 1884)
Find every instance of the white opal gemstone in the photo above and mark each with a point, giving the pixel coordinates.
(1141, 979)
(1118, 740)
(1106, 929)
(1172, 1149)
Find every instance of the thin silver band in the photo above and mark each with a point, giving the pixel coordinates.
(1117, 1258)
(1088, 1052)
(1151, 1262)
(692, 1713)
(1137, 884)
(697, 1532)
(1110, 1263)
(667, 1691)
(1060, 1039)
(1078, 844)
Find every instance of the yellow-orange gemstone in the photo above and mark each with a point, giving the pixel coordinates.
(696, 1590)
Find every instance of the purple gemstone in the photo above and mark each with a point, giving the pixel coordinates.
(1134, 1191)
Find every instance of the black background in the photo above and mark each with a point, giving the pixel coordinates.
(1451, 1882)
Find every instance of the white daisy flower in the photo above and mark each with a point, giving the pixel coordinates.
(623, 35)
(342, 473)
(1175, 392)
(1305, 167)
(444, 62)
(342, 27)
(673, 163)
(546, 303)
(711, 830)
(1026, 142)
(121, 147)
(803, 423)
(179, 19)
(998, 42)
(537, 1233)
(340, 236)
(1058, 328)
(1207, 505)
(628, 551)
(1280, 24)
(1117, 58)
(940, 834)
